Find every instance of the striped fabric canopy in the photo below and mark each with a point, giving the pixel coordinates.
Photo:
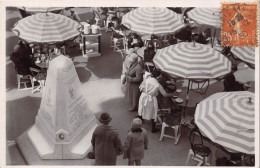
(228, 118)
(246, 54)
(41, 10)
(152, 21)
(46, 28)
(193, 62)
(206, 16)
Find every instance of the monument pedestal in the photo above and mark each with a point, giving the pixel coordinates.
(32, 158)
(64, 125)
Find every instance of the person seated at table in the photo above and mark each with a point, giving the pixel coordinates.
(172, 40)
(204, 37)
(230, 83)
(116, 28)
(102, 14)
(184, 34)
(149, 54)
(21, 66)
(71, 13)
(134, 41)
(26, 54)
(148, 104)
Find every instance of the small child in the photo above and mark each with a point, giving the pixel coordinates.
(135, 144)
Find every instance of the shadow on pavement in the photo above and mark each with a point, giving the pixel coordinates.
(20, 115)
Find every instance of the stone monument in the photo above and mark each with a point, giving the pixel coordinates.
(64, 125)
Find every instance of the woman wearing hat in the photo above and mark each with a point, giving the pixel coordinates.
(148, 104)
(133, 78)
(136, 142)
(105, 141)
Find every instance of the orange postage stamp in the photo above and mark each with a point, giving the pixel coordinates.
(239, 24)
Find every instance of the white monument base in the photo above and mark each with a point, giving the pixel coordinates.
(64, 125)
(46, 151)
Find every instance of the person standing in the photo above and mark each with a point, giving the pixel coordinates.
(133, 78)
(106, 143)
(136, 142)
(71, 13)
(148, 104)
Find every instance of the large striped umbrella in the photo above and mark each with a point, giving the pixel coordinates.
(228, 118)
(206, 16)
(246, 54)
(41, 10)
(46, 28)
(192, 61)
(152, 21)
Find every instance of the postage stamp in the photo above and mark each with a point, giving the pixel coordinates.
(239, 24)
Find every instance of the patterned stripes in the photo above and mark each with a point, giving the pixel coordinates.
(246, 54)
(206, 16)
(41, 10)
(46, 28)
(193, 62)
(153, 20)
(226, 117)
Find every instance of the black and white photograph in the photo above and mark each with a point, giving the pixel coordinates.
(136, 85)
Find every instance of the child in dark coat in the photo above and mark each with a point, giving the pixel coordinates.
(136, 143)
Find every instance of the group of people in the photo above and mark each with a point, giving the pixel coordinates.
(107, 144)
(144, 84)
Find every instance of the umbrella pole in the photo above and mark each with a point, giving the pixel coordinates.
(212, 43)
(186, 103)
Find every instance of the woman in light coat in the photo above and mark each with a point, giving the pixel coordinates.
(148, 104)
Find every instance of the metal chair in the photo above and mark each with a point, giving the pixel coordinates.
(199, 152)
(24, 76)
(39, 77)
(172, 121)
(116, 41)
(200, 84)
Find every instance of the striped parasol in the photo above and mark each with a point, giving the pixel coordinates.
(206, 16)
(152, 21)
(46, 28)
(192, 61)
(228, 118)
(41, 10)
(246, 54)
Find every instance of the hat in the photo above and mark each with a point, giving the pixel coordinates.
(136, 123)
(105, 118)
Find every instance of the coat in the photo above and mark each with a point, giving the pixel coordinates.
(133, 79)
(148, 103)
(106, 145)
(135, 144)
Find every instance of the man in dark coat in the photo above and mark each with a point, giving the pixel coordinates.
(133, 77)
(106, 143)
